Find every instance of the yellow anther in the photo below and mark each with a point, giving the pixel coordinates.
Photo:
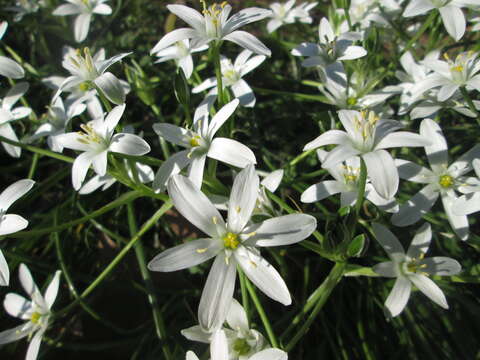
(446, 57)
(350, 178)
(230, 240)
(457, 68)
(253, 233)
(446, 181)
(35, 318)
(238, 209)
(253, 264)
(215, 220)
(201, 251)
(194, 141)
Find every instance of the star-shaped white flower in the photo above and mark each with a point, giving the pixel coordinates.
(8, 114)
(232, 77)
(84, 9)
(36, 311)
(96, 141)
(11, 223)
(231, 243)
(8, 67)
(367, 136)
(412, 268)
(215, 25)
(285, 13)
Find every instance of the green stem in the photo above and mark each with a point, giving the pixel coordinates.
(104, 99)
(243, 287)
(470, 103)
(324, 292)
(261, 312)
(420, 32)
(33, 166)
(218, 73)
(362, 181)
(38, 150)
(152, 297)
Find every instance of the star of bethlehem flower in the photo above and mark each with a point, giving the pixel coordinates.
(347, 177)
(200, 144)
(365, 12)
(450, 75)
(470, 203)
(412, 268)
(89, 74)
(286, 13)
(35, 312)
(84, 9)
(367, 135)
(215, 25)
(8, 67)
(450, 10)
(235, 341)
(25, 7)
(9, 114)
(442, 180)
(95, 140)
(231, 243)
(232, 77)
(11, 223)
(181, 52)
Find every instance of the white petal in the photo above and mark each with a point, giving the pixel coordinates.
(7, 132)
(273, 25)
(14, 94)
(4, 271)
(26, 280)
(81, 26)
(80, 169)
(325, 31)
(386, 269)
(95, 183)
(402, 139)
(440, 265)
(194, 205)
(34, 346)
(100, 163)
(411, 211)
(217, 293)
(105, 64)
(186, 64)
(417, 7)
(353, 52)
(17, 306)
(453, 20)
(191, 16)
(221, 116)
(174, 134)
(10, 68)
(71, 141)
(52, 290)
(248, 41)
(243, 198)
(466, 205)
(173, 37)
(398, 297)
(331, 137)
(186, 255)
(412, 172)
(191, 356)
(14, 192)
(430, 289)
(111, 87)
(196, 169)
(446, 92)
(321, 191)
(272, 181)
(339, 154)
(459, 223)
(196, 333)
(129, 144)
(219, 346)
(249, 65)
(420, 242)
(244, 17)
(14, 334)
(389, 242)
(102, 9)
(263, 275)
(382, 172)
(283, 230)
(243, 92)
(237, 317)
(270, 354)
(12, 223)
(173, 165)
(112, 119)
(231, 152)
(66, 9)
(306, 49)
(207, 84)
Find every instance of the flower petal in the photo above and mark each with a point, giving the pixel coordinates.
(81, 26)
(270, 354)
(382, 172)
(272, 181)
(453, 20)
(26, 280)
(129, 144)
(7, 132)
(15, 334)
(14, 94)
(10, 68)
(191, 16)
(17, 306)
(4, 271)
(12, 223)
(244, 17)
(174, 134)
(196, 333)
(387, 269)
(248, 41)
(402, 139)
(231, 152)
(221, 116)
(441, 265)
(243, 92)
(411, 211)
(243, 198)
(14, 192)
(412, 172)
(459, 223)
(321, 191)
(219, 346)
(417, 7)
(34, 345)
(52, 289)
(196, 169)
(66, 9)
(398, 297)
(80, 168)
(173, 165)
(111, 87)
(237, 317)
(331, 137)
(112, 119)
(102, 9)
(421, 242)
(173, 37)
(339, 154)
(430, 289)
(389, 242)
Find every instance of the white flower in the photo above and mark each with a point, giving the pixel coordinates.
(450, 11)
(84, 9)
(96, 141)
(199, 144)
(11, 223)
(235, 342)
(8, 114)
(364, 12)
(215, 25)
(25, 7)
(231, 243)
(442, 180)
(347, 176)
(36, 311)
(232, 75)
(412, 267)
(451, 75)
(181, 52)
(8, 67)
(59, 115)
(331, 47)
(367, 136)
(282, 13)
(470, 203)
(90, 73)
(302, 12)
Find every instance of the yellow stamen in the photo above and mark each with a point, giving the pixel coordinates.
(201, 251)
(446, 181)
(35, 317)
(194, 141)
(230, 240)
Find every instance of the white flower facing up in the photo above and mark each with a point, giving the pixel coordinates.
(237, 341)
(181, 52)
(412, 268)
(58, 117)
(89, 73)
(442, 180)
(96, 140)
(84, 9)
(232, 77)
(200, 144)
(450, 75)
(231, 243)
(9, 114)
(450, 11)
(286, 13)
(347, 177)
(470, 203)
(36, 312)
(215, 25)
(11, 223)
(367, 136)
(8, 67)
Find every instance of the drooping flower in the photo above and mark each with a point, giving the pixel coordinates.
(412, 268)
(367, 135)
(11, 223)
(96, 141)
(84, 9)
(442, 180)
(200, 144)
(232, 77)
(215, 25)
(36, 311)
(8, 115)
(231, 243)
(8, 67)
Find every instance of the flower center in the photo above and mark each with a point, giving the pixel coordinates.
(352, 100)
(85, 86)
(366, 123)
(446, 181)
(213, 11)
(241, 347)
(88, 135)
(350, 175)
(414, 265)
(35, 318)
(457, 68)
(195, 141)
(84, 63)
(230, 241)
